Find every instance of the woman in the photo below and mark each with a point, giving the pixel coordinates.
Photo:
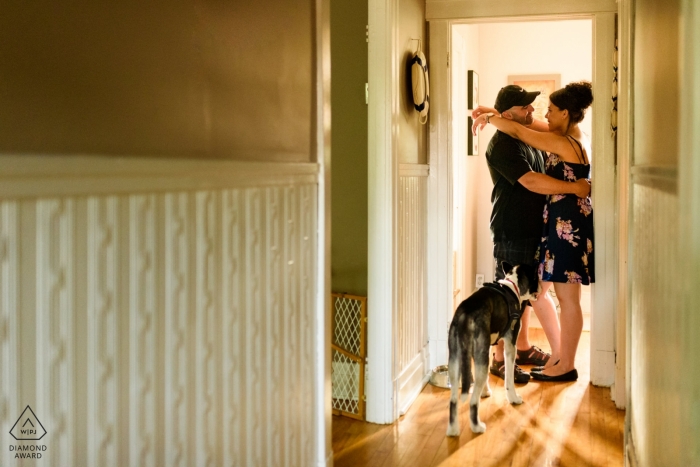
(566, 252)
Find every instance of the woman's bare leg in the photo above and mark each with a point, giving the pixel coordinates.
(547, 315)
(523, 341)
(569, 296)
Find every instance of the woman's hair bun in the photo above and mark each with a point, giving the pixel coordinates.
(575, 97)
(581, 94)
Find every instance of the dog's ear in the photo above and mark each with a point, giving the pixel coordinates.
(507, 267)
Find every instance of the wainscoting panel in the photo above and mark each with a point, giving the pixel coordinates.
(55, 324)
(412, 315)
(9, 320)
(655, 322)
(165, 327)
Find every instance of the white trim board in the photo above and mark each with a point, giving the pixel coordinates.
(383, 174)
(414, 170)
(454, 9)
(323, 407)
(412, 381)
(440, 198)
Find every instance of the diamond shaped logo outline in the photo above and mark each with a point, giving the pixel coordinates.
(20, 419)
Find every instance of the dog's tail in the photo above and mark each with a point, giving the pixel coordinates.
(461, 348)
(467, 344)
(459, 364)
(453, 365)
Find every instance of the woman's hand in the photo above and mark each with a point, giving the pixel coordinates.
(479, 122)
(483, 110)
(583, 187)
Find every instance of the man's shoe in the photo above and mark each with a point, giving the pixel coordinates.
(499, 369)
(532, 356)
(566, 377)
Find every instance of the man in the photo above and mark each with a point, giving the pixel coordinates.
(518, 200)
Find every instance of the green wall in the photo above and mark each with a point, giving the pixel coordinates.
(348, 147)
(177, 78)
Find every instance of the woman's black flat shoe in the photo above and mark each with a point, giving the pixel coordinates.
(566, 377)
(540, 369)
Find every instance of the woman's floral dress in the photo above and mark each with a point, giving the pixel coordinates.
(566, 251)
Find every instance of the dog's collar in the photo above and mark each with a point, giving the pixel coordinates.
(517, 290)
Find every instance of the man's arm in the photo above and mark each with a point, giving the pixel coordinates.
(538, 125)
(546, 185)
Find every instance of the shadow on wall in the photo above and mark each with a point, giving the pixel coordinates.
(408, 86)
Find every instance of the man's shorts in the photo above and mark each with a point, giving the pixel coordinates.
(515, 252)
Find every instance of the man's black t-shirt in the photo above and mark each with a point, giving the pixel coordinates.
(517, 211)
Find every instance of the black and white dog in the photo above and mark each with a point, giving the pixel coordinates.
(491, 313)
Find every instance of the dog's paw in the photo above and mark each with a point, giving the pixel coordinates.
(480, 428)
(486, 392)
(515, 399)
(453, 430)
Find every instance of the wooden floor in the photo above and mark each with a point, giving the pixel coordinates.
(558, 424)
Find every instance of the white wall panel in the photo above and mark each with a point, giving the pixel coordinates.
(9, 318)
(143, 325)
(307, 198)
(165, 327)
(207, 327)
(412, 318)
(255, 360)
(273, 246)
(655, 323)
(290, 323)
(233, 327)
(179, 234)
(103, 330)
(55, 321)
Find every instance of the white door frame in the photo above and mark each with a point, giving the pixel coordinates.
(383, 167)
(323, 447)
(620, 390)
(383, 111)
(602, 13)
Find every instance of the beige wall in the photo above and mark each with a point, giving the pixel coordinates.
(173, 79)
(349, 147)
(412, 142)
(656, 82)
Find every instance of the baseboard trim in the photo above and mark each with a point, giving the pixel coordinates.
(412, 398)
(411, 381)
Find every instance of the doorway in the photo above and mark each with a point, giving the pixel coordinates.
(513, 52)
(442, 169)
(383, 144)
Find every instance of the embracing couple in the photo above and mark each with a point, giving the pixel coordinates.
(542, 215)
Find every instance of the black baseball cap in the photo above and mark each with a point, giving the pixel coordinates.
(512, 95)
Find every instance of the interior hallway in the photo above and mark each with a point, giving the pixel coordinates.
(571, 424)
